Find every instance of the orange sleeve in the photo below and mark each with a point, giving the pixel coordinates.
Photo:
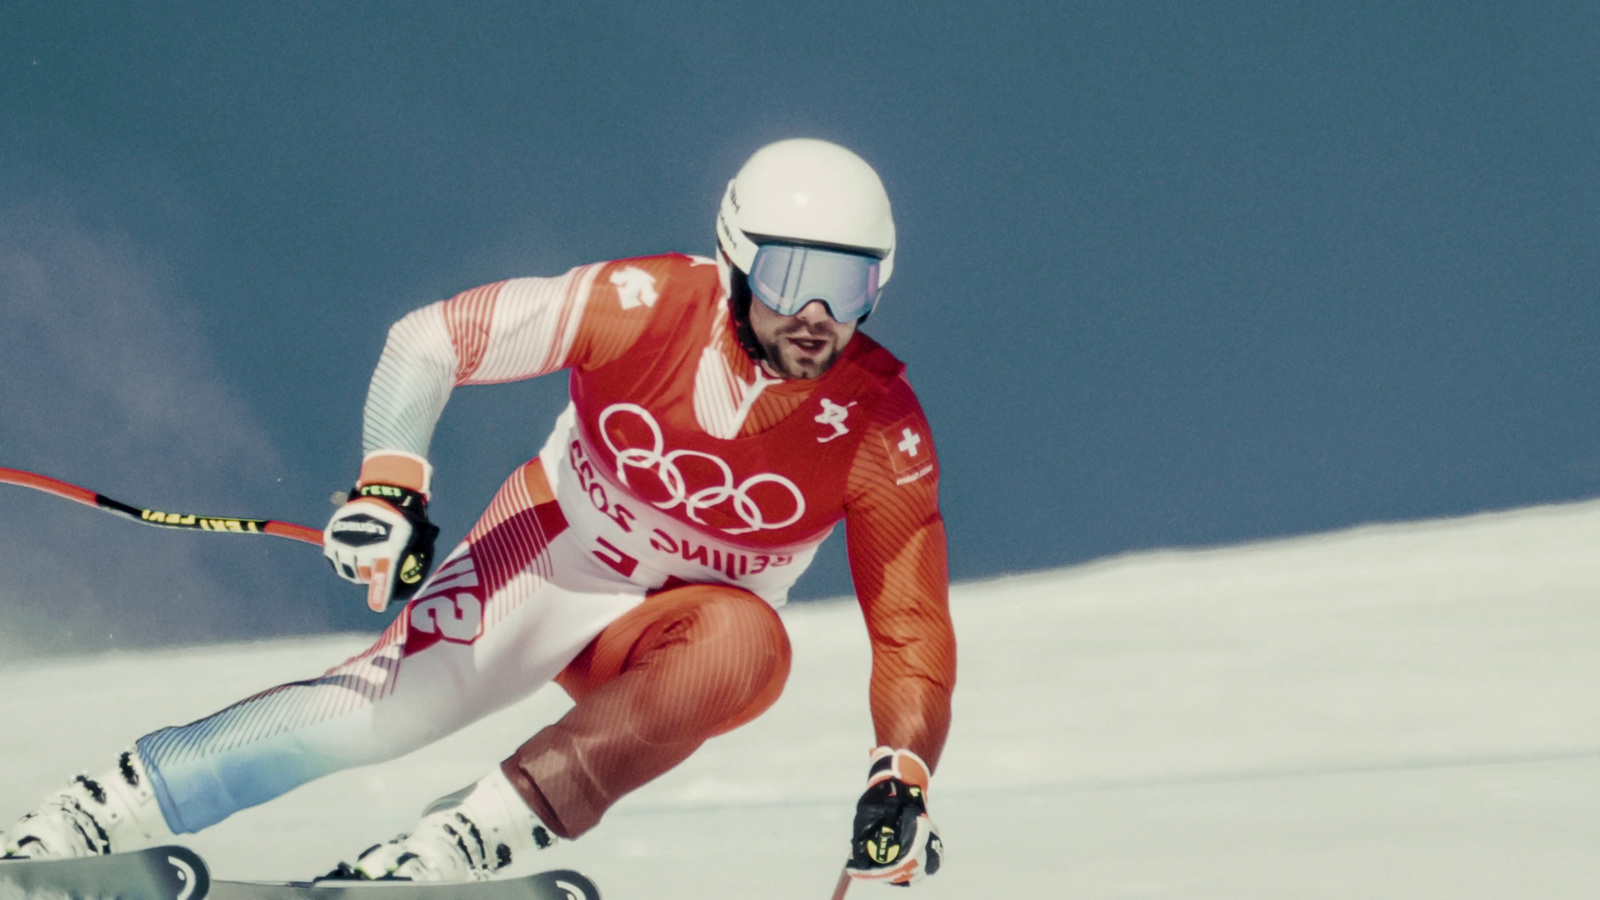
(896, 540)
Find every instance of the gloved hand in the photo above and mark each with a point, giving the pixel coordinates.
(382, 537)
(894, 840)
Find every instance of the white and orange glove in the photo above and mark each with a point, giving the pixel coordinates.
(894, 841)
(381, 536)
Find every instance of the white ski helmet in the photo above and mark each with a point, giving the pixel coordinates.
(812, 194)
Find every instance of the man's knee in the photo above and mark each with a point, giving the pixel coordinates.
(709, 657)
(741, 649)
(684, 666)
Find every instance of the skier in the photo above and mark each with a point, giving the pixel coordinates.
(725, 415)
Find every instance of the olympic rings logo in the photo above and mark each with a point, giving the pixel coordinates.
(673, 480)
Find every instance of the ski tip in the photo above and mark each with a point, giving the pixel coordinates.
(163, 873)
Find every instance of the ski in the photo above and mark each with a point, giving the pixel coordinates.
(159, 873)
(177, 873)
(557, 884)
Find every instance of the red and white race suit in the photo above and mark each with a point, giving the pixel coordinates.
(678, 463)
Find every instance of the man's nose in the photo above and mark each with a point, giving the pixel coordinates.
(813, 312)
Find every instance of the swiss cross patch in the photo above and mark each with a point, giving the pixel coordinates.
(910, 450)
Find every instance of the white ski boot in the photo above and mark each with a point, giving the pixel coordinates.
(465, 836)
(114, 813)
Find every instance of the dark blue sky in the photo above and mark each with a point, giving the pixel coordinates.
(1170, 273)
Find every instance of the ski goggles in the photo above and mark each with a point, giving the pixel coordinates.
(786, 277)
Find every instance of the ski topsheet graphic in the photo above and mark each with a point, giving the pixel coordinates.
(561, 884)
(159, 873)
(177, 873)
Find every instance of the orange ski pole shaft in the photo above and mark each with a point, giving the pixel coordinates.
(184, 521)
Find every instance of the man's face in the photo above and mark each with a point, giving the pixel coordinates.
(803, 345)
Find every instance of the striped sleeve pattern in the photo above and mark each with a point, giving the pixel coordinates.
(534, 325)
(898, 560)
(504, 331)
(412, 383)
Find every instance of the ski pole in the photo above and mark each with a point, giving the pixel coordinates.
(228, 524)
(843, 885)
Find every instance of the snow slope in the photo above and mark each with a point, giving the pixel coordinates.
(1407, 711)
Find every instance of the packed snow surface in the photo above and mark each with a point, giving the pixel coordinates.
(1400, 711)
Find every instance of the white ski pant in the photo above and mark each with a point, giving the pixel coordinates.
(504, 613)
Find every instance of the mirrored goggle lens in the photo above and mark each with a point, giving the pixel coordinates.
(786, 278)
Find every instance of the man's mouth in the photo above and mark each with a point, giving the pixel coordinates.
(810, 345)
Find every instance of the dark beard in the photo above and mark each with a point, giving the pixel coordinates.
(772, 353)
